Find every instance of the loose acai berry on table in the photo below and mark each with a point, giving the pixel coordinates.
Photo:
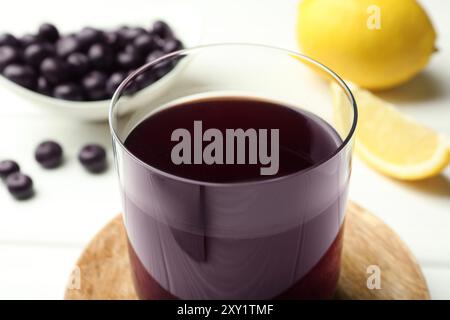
(20, 185)
(93, 158)
(8, 167)
(49, 154)
(86, 65)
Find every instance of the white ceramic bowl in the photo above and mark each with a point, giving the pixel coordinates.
(187, 28)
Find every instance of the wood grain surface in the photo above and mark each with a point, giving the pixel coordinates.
(103, 272)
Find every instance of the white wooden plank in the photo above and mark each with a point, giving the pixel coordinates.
(35, 272)
(438, 280)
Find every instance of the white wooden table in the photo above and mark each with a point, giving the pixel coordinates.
(40, 239)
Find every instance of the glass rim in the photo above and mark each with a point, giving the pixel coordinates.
(119, 93)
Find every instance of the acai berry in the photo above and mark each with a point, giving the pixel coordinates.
(7, 39)
(8, 55)
(8, 167)
(55, 70)
(49, 154)
(48, 32)
(35, 53)
(20, 185)
(21, 74)
(94, 84)
(93, 157)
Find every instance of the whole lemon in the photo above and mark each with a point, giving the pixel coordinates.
(377, 44)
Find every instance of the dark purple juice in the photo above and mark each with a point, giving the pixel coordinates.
(224, 231)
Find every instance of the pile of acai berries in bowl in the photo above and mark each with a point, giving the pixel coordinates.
(77, 73)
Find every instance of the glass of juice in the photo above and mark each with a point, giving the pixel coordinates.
(234, 176)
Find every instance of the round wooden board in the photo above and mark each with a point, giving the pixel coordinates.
(103, 272)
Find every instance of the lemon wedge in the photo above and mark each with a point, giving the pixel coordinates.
(390, 142)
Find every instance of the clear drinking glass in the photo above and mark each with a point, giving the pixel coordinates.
(273, 237)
